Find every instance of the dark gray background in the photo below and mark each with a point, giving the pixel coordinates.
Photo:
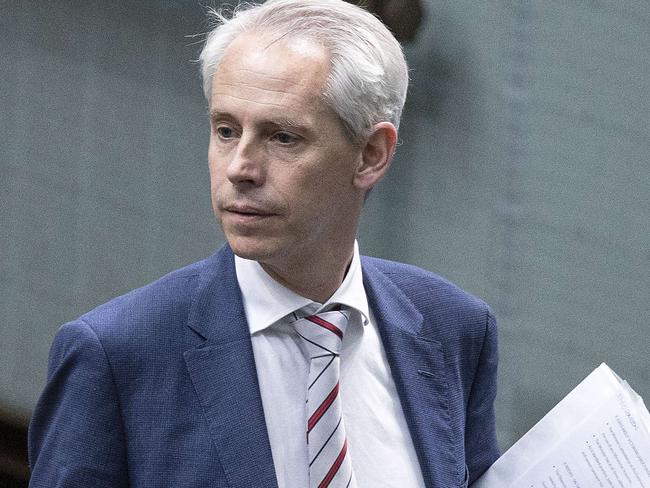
(522, 176)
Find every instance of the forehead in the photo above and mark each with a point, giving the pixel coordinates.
(259, 68)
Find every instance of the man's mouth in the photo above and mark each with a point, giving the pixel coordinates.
(244, 212)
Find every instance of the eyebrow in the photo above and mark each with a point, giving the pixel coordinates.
(215, 114)
(279, 121)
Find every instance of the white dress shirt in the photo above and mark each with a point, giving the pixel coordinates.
(378, 438)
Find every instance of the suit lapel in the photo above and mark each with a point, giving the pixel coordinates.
(223, 373)
(418, 368)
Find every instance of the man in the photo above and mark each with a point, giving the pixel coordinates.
(285, 359)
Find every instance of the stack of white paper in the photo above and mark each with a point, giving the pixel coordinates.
(597, 436)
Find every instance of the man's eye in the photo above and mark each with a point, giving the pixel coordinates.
(284, 137)
(225, 132)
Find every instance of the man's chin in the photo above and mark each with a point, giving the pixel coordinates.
(247, 248)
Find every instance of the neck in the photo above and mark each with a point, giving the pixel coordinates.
(315, 280)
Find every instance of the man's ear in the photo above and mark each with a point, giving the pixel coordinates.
(376, 156)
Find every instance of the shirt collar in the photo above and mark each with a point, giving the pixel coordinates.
(266, 301)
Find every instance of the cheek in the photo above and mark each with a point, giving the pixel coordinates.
(335, 176)
(212, 160)
(216, 167)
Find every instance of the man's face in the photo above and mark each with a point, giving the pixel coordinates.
(281, 167)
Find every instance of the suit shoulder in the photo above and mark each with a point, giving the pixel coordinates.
(450, 314)
(463, 324)
(424, 287)
(151, 306)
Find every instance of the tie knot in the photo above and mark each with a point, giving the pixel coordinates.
(323, 332)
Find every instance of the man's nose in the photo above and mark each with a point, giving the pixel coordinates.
(246, 167)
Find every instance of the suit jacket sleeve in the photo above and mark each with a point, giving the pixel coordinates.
(481, 447)
(76, 437)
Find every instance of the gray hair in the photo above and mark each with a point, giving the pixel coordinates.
(368, 77)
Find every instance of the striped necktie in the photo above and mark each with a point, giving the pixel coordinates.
(329, 459)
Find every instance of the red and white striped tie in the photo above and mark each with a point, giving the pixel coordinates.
(329, 459)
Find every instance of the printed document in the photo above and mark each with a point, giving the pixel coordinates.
(597, 436)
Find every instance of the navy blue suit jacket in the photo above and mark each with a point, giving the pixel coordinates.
(158, 388)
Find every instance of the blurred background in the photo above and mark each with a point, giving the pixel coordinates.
(523, 176)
